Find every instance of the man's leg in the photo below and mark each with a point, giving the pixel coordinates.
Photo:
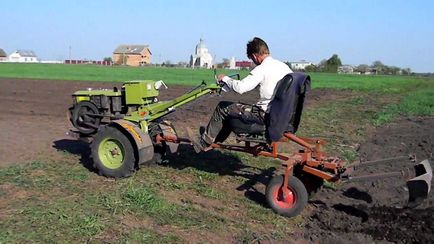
(216, 124)
(218, 128)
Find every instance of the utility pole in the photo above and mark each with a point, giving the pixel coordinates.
(70, 60)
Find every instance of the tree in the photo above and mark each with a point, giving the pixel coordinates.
(311, 68)
(393, 70)
(108, 59)
(182, 64)
(333, 63)
(362, 68)
(322, 66)
(226, 63)
(406, 71)
(167, 63)
(379, 67)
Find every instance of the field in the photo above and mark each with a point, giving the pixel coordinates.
(49, 191)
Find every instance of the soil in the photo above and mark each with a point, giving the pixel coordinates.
(363, 212)
(33, 119)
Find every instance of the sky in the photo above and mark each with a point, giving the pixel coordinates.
(397, 33)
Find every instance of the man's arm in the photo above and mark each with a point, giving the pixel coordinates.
(247, 84)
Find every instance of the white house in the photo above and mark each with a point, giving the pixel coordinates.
(300, 65)
(345, 69)
(202, 57)
(23, 56)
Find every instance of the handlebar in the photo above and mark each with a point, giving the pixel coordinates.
(237, 75)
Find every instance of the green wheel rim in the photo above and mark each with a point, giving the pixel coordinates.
(111, 153)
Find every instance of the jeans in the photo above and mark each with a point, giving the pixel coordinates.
(218, 128)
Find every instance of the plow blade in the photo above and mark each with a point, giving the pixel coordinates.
(420, 186)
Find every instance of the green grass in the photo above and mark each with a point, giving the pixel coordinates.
(182, 76)
(373, 83)
(416, 103)
(187, 76)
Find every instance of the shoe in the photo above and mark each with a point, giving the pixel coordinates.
(202, 130)
(198, 144)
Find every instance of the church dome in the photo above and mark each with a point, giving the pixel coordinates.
(201, 45)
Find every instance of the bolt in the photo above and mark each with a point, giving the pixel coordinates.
(114, 152)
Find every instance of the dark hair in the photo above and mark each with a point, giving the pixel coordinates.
(257, 46)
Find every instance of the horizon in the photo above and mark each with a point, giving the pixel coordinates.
(360, 32)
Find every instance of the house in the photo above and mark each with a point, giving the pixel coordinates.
(23, 56)
(300, 65)
(244, 64)
(202, 57)
(345, 69)
(132, 55)
(3, 55)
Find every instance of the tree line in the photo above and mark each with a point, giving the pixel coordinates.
(332, 65)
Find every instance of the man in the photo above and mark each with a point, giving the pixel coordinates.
(266, 74)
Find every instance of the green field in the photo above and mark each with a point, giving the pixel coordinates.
(187, 76)
(106, 73)
(195, 199)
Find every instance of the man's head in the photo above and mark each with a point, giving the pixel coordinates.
(257, 50)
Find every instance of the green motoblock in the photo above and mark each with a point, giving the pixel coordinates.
(123, 123)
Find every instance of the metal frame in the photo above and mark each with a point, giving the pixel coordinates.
(312, 158)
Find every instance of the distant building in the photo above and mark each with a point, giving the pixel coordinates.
(99, 62)
(202, 58)
(132, 55)
(23, 56)
(3, 55)
(346, 69)
(300, 65)
(232, 63)
(244, 64)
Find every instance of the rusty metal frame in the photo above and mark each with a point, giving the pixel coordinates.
(312, 158)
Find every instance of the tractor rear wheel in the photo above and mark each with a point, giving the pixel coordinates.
(113, 153)
(289, 202)
(86, 117)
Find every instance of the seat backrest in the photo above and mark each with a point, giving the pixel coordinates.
(287, 105)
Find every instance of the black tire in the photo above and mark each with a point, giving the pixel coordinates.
(296, 202)
(80, 118)
(108, 144)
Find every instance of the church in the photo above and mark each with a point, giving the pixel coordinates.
(202, 58)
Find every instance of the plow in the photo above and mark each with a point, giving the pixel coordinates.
(126, 130)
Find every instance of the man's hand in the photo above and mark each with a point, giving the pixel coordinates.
(220, 77)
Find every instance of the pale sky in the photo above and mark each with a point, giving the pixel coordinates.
(399, 33)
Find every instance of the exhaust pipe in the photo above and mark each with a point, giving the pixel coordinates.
(419, 186)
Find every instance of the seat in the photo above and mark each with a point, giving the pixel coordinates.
(285, 110)
(240, 127)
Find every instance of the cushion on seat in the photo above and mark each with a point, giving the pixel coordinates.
(239, 126)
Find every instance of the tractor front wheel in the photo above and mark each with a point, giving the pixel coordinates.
(113, 153)
(288, 202)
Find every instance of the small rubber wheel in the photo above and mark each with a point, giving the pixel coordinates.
(113, 153)
(86, 117)
(288, 203)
